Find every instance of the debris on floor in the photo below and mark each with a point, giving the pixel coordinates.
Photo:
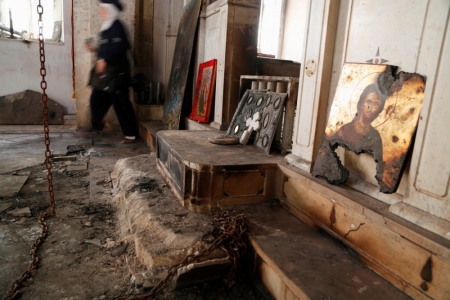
(5, 206)
(11, 185)
(94, 241)
(20, 212)
(85, 256)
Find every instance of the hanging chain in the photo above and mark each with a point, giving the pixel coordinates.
(231, 240)
(14, 290)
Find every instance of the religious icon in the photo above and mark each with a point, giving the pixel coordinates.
(373, 112)
(180, 66)
(204, 90)
(259, 112)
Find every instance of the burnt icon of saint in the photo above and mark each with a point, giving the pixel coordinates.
(358, 136)
(386, 117)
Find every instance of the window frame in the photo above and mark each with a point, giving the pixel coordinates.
(28, 20)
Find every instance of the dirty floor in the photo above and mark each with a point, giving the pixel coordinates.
(83, 256)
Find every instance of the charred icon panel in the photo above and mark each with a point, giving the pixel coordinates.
(247, 107)
(269, 105)
(374, 111)
(271, 118)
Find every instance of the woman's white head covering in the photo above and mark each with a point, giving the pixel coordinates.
(113, 14)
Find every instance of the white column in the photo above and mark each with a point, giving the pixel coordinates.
(314, 82)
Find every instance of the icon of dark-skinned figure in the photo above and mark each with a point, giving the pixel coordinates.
(373, 112)
(358, 135)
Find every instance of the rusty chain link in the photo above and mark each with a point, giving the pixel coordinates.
(232, 228)
(14, 290)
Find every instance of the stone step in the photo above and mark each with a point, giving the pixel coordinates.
(149, 127)
(70, 119)
(208, 177)
(289, 258)
(150, 112)
(293, 261)
(148, 130)
(162, 231)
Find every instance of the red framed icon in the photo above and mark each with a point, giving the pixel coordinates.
(204, 91)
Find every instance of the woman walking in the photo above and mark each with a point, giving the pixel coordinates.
(112, 57)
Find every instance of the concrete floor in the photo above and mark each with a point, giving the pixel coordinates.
(288, 257)
(68, 264)
(79, 259)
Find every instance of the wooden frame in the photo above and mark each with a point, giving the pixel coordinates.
(204, 90)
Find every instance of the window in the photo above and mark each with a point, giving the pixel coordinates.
(270, 27)
(24, 18)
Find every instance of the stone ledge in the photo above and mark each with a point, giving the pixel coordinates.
(206, 176)
(422, 219)
(148, 130)
(149, 215)
(289, 255)
(194, 125)
(33, 129)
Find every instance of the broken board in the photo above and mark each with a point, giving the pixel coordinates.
(11, 185)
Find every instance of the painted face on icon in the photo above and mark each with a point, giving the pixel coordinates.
(371, 107)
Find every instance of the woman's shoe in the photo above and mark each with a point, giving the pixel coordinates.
(127, 141)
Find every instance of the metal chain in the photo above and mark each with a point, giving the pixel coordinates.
(233, 226)
(14, 290)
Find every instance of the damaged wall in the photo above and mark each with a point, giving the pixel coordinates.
(383, 32)
(20, 66)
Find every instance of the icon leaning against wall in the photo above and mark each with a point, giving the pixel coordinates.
(375, 112)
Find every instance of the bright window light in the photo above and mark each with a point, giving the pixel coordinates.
(25, 18)
(269, 27)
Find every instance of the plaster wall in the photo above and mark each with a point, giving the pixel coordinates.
(167, 16)
(144, 34)
(20, 66)
(423, 42)
(230, 31)
(87, 24)
(415, 40)
(211, 47)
